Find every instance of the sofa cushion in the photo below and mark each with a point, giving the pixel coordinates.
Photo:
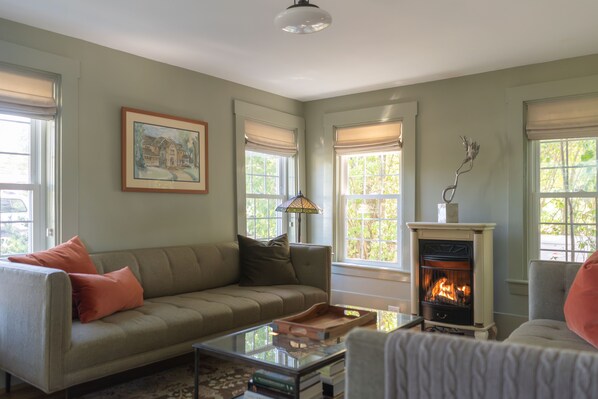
(548, 333)
(176, 319)
(100, 295)
(276, 300)
(266, 263)
(581, 305)
(71, 256)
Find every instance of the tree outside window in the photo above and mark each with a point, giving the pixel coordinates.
(566, 198)
(371, 198)
(18, 183)
(265, 182)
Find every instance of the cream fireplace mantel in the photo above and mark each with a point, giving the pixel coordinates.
(479, 237)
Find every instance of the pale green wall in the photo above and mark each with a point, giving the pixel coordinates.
(112, 219)
(474, 106)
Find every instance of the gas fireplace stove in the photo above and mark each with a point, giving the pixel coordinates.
(452, 277)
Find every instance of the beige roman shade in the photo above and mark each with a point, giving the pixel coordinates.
(27, 95)
(370, 138)
(562, 118)
(269, 139)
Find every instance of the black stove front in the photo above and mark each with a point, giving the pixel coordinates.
(446, 281)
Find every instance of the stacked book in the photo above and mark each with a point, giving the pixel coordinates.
(267, 384)
(333, 380)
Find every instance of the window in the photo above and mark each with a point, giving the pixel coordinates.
(27, 108)
(22, 167)
(370, 214)
(269, 162)
(564, 178)
(376, 147)
(565, 197)
(266, 183)
(370, 207)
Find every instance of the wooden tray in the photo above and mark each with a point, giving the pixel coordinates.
(323, 321)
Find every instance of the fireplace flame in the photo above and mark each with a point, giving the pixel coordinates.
(446, 291)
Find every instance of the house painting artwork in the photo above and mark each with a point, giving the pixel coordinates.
(166, 153)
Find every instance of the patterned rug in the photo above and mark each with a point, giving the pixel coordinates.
(218, 380)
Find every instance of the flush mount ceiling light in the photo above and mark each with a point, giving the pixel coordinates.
(303, 17)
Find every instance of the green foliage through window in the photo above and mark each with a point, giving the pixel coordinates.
(566, 195)
(16, 185)
(371, 203)
(265, 177)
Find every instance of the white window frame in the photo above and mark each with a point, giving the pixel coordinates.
(519, 250)
(406, 113)
(535, 196)
(284, 164)
(295, 172)
(39, 164)
(65, 192)
(342, 215)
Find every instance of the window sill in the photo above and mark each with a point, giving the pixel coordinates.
(374, 272)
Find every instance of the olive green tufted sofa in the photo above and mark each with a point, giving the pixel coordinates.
(191, 293)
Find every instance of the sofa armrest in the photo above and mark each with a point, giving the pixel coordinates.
(313, 265)
(35, 323)
(364, 363)
(549, 283)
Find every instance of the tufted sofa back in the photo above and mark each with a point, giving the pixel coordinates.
(176, 270)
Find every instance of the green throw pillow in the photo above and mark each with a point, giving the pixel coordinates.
(266, 263)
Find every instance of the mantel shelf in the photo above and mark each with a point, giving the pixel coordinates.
(450, 226)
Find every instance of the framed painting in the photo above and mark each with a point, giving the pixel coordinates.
(163, 153)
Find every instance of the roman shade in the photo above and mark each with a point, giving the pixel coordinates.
(27, 94)
(563, 118)
(269, 139)
(370, 138)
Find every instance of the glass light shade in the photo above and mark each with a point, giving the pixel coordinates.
(303, 18)
(299, 204)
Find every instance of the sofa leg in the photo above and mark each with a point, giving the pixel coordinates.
(7, 381)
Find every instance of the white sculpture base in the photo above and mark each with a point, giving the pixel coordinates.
(448, 213)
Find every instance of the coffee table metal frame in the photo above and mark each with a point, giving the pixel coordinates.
(208, 348)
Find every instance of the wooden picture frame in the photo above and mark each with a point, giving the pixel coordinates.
(163, 153)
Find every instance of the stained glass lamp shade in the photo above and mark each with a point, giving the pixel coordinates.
(299, 204)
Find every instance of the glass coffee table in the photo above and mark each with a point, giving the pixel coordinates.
(293, 356)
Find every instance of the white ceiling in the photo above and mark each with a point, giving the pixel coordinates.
(371, 44)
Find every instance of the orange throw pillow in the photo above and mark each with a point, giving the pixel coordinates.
(72, 257)
(100, 295)
(581, 305)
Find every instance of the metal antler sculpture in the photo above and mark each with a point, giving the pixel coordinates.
(471, 151)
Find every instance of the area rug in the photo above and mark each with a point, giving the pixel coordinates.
(218, 380)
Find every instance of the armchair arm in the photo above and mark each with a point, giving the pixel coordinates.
(35, 323)
(364, 364)
(313, 265)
